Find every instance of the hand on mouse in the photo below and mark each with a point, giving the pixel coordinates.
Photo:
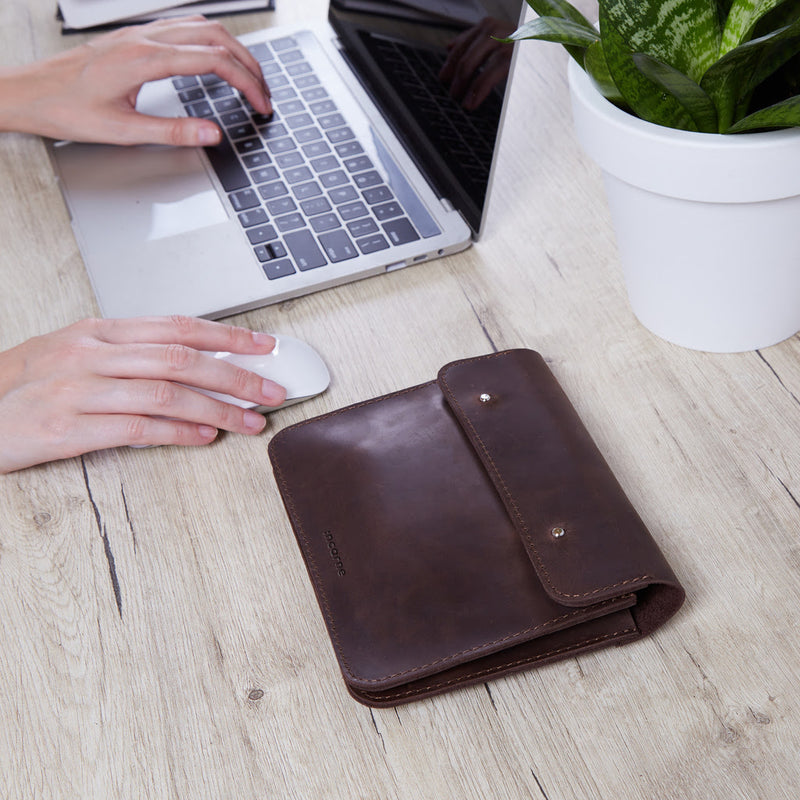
(106, 383)
(89, 93)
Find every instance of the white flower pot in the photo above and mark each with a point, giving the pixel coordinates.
(707, 225)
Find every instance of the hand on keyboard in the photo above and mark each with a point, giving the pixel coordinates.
(89, 93)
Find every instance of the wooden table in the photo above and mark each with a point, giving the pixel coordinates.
(160, 638)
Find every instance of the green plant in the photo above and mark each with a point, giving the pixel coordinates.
(714, 66)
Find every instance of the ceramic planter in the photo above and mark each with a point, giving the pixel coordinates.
(707, 225)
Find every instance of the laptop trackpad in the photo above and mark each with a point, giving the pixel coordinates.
(157, 191)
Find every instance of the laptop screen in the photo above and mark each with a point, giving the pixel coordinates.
(440, 79)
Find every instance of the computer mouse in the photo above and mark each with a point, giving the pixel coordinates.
(292, 363)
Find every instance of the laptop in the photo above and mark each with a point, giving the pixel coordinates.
(369, 164)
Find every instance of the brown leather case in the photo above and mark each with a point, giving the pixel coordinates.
(466, 528)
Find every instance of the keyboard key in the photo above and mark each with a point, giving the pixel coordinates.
(377, 194)
(366, 179)
(322, 107)
(291, 107)
(361, 227)
(400, 231)
(236, 117)
(290, 222)
(299, 121)
(278, 269)
(241, 131)
(278, 250)
(226, 165)
(274, 130)
(298, 175)
(284, 43)
(336, 178)
(331, 121)
(337, 246)
(201, 109)
(285, 93)
(318, 205)
(210, 79)
(358, 164)
(271, 68)
(255, 216)
(184, 82)
(387, 210)
(325, 222)
(260, 51)
(281, 205)
(325, 163)
(244, 199)
(223, 90)
(227, 104)
(255, 160)
(315, 149)
(281, 145)
(353, 211)
(304, 190)
(308, 135)
(288, 56)
(347, 149)
(342, 194)
(306, 80)
(275, 189)
(262, 254)
(264, 174)
(371, 244)
(304, 249)
(291, 159)
(248, 145)
(264, 233)
(314, 93)
(340, 134)
(298, 68)
(191, 95)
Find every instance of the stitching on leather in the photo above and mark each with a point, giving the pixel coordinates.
(429, 688)
(525, 530)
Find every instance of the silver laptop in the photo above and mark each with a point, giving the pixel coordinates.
(369, 164)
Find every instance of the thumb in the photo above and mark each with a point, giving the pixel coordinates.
(179, 131)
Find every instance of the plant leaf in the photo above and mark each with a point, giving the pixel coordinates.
(785, 114)
(689, 94)
(742, 18)
(731, 81)
(559, 8)
(682, 33)
(594, 62)
(555, 29)
(646, 99)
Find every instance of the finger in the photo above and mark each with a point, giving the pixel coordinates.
(164, 399)
(199, 30)
(178, 363)
(200, 334)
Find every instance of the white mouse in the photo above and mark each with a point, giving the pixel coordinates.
(293, 364)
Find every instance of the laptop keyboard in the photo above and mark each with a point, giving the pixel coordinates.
(306, 193)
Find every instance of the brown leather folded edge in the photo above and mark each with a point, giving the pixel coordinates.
(466, 528)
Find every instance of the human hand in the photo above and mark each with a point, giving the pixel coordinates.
(477, 62)
(106, 383)
(89, 93)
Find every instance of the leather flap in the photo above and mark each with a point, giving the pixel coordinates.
(583, 537)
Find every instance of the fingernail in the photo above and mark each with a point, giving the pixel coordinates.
(207, 432)
(254, 422)
(273, 393)
(208, 135)
(263, 339)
